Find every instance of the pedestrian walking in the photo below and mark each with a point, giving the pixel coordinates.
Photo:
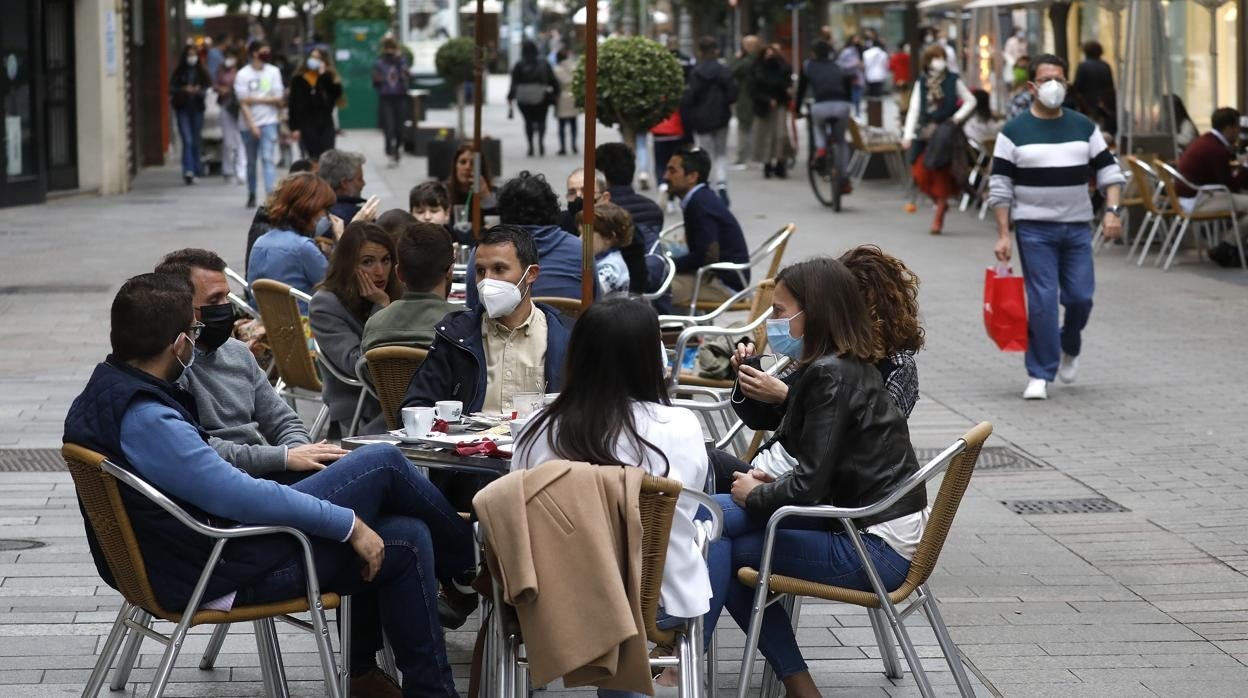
(875, 62)
(390, 79)
(772, 89)
(188, 87)
(933, 101)
(565, 104)
(742, 70)
(850, 60)
(1041, 167)
(707, 102)
(233, 155)
(260, 94)
(314, 94)
(534, 88)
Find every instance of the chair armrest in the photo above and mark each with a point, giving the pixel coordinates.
(710, 331)
(243, 306)
(237, 278)
(300, 295)
(712, 507)
(692, 320)
(339, 375)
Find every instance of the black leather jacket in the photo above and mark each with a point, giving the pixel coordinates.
(851, 443)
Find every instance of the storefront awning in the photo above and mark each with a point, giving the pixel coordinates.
(937, 4)
(980, 4)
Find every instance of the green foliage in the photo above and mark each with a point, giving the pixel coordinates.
(639, 83)
(335, 10)
(455, 60)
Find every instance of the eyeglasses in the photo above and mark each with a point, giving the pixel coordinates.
(196, 329)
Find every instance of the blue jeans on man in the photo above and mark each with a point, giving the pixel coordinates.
(426, 541)
(190, 132)
(262, 149)
(1057, 269)
(805, 548)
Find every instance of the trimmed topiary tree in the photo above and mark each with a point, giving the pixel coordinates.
(454, 61)
(639, 84)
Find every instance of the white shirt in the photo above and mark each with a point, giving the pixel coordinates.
(675, 431)
(875, 64)
(266, 82)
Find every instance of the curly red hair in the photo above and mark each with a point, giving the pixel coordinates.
(891, 291)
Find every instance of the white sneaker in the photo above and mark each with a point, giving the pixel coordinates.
(1069, 370)
(1037, 389)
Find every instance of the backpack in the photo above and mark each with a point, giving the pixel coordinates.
(1225, 254)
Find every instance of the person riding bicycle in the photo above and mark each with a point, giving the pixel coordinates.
(831, 89)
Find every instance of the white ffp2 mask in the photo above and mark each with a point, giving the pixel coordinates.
(1051, 94)
(500, 297)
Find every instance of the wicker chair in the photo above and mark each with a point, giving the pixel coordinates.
(95, 480)
(567, 307)
(863, 151)
(658, 498)
(881, 604)
(1183, 219)
(296, 368)
(760, 305)
(392, 369)
(771, 253)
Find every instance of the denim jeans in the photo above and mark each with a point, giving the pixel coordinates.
(425, 541)
(261, 148)
(1057, 268)
(190, 130)
(804, 548)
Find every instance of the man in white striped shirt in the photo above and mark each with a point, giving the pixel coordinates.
(1041, 166)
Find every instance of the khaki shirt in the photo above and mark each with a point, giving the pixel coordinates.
(509, 356)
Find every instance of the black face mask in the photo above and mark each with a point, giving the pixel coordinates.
(218, 326)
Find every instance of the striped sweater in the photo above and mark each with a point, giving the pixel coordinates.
(1041, 167)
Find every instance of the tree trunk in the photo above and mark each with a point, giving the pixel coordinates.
(459, 107)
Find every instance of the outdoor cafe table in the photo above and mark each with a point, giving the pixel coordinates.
(437, 459)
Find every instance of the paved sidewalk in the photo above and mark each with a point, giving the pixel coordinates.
(1152, 600)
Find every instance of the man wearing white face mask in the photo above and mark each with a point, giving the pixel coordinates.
(1040, 169)
(508, 344)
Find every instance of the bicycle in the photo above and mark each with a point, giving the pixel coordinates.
(826, 180)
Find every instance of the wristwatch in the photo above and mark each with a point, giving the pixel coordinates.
(1116, 210)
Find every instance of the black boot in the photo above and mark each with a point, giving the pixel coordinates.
(767, 170)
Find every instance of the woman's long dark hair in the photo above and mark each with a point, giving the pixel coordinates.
(837, 320)
(340, 278)
(612, 362)
(459, 192)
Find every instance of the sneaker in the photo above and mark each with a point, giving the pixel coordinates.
(1037, 389)
(374, 683)
(1069, 370)
(455, 604)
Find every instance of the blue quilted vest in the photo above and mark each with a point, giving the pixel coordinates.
(174, 556)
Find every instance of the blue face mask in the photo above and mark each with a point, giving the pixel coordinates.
(781, 341)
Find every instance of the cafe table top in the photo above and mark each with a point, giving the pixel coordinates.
(436, 459)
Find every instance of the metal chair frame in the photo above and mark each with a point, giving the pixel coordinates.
(862, 152)
(136, 622)
(240, 303)
(1156, 207)
(505, 671)
(353, 381)
(669, 274)
(771, 250)
(763, 597)
(1183, 220)
(693, 331)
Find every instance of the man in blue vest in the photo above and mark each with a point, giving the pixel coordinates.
(375, 522)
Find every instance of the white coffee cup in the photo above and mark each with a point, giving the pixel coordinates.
(417, 421)
(450, 410)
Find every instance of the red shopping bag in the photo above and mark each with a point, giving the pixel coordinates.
(1005, 308)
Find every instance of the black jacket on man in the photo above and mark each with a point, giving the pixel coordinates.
(851, 443)
(710, 94)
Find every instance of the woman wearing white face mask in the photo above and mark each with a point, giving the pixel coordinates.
(935, 99)
(314, 93)
(851, 448)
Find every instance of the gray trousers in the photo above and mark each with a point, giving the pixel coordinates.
(715, 144)
(838, 113)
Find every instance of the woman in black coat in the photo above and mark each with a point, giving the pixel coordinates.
(314, 92)
(187, 86)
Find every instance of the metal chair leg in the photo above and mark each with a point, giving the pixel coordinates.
(1139, 235)
(689, 680)
(387, 659)
(907, 648)
(176, 638)
(130, 652)
(320, 423)
(264, 654)
(952, 656)
(109, 651)
(712, 666)
(1148, 242)
(344, 643)
(209, 660)
(1174, 248)
(888, 648)
(320, 630)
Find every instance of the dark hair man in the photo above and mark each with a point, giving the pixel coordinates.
(618, 164)
(528, 202)
(426, 258)
(706, 107)
(1208, 160)
(483, 356)
(712, 233)
(1060, 149)
(365, 536)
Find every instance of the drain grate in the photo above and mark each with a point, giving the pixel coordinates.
(11, 544)
(994, 458)
(45, 289)
(1087, 505)
(31, 460)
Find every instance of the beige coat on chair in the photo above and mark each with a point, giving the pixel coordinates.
(564, 539)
